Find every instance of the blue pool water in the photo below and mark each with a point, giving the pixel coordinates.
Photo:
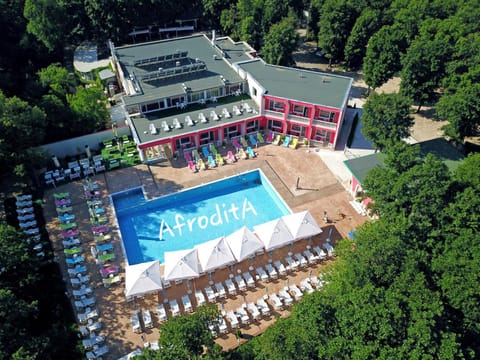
(187, 218)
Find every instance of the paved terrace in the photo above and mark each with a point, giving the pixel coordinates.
(318, 191)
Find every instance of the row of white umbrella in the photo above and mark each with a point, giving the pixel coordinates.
(221, 252)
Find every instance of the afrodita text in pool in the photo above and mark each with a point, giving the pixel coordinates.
(223, 213)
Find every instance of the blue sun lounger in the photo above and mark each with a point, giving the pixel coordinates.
(251, 153)
(211, 162)
(252, 139)
(205, 151)
(286, 141)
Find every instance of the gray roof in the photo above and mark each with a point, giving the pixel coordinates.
(308, 86)
(235, 52)
(198, 47)
(441, 148)
(142, 124)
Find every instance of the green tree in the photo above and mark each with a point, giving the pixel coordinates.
(46, 20)
(88, 106)
(424, 61)
(336, 21)
(57, 80)
(461, 107)
(22, 126)
(386, 119)
(368, 23)
(212, 10)
(382, 58)
(280, 42)
(185, 337)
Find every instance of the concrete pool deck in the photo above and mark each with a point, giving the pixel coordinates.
(318, 191)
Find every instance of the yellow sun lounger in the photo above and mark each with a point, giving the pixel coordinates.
(277, 139)
(294, 143)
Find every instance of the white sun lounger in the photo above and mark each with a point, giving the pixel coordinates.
(316, 282)
(306, 286)
(211, 295)
(83, 318)
(280, 268)
(276, 302)
(243, 316)
(262, 274)
(272, 273)
(249, 279)
(221, 293)
(147, 319)
(303, 262)
(135, 323)
(312, 259)
(187, 304)
(162, 314)
(242, 286)
(321, 254)
(263, 307)
(285, 296)
(232, 290)
(222, 325)
(329, 248)
(174, 308)
(92, 341)
(297, 293)
(252, 308)
(232, 319)
(199, 297)
(292, 264)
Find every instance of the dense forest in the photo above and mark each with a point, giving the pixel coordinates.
(406, 287)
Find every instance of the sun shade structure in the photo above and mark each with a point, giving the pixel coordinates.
(243, 243)
(182, 264)
(302, 225)
(274, 234)
(214, 254)
(142, 278)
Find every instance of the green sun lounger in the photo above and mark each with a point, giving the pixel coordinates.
(68, 226)
(106, 257)
(73, 251)
(60, 196)
(111, 280)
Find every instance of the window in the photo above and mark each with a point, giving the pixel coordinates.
(252, 126)
(298, 130)
(324, 115)
(254, 91)
(275, 125)
(152, 107)
(276, 106)
(323, 135)
(230, 131)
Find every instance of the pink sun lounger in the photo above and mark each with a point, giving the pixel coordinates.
(99, 229)
(236, 144)
(231, 157)
(70, 233)
(192, 166)
(63, 202)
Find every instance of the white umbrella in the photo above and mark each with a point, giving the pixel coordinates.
(243, 243)
(142, 278)
(274, 234)
(302, 225)
(181, 264)
(214, 254)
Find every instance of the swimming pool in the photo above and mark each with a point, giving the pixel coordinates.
(190, 217)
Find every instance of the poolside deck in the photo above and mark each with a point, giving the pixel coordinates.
(318, 191)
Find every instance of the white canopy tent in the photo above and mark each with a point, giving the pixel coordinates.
(243, 243)
(274, 234)
(182, 264)
(214, 254)
(142, 278)
(302, 225)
